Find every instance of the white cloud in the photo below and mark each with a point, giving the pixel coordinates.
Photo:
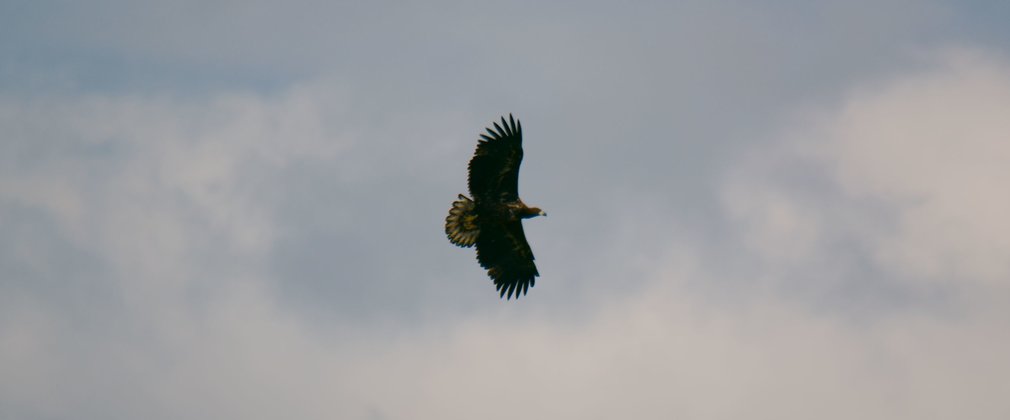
(655, 355)
(125, 169)
(927, 150)
(165, 197)
(171, 198)
(936, 144)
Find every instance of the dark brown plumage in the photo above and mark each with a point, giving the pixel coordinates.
(492, 220)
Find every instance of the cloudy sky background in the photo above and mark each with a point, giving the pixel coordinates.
(762, 210)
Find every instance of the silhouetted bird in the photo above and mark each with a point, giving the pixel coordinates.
(492, 220)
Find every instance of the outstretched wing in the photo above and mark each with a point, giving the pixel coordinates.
(494, 168)
(502, 249)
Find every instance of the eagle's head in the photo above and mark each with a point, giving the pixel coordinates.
(532, 212)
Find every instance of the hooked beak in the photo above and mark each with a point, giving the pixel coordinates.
(542, 213)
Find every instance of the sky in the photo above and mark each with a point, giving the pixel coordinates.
(758, 209)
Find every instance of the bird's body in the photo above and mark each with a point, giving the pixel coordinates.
(492, 220)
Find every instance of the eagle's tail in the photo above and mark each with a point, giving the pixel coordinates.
(461, 224)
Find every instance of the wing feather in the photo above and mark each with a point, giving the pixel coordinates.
(494, 168)
(502, 249)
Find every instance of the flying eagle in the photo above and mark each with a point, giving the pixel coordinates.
(492, 220)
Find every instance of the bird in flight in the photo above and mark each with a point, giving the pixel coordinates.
(492, 219)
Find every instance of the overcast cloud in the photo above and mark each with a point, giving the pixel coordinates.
(762, 210)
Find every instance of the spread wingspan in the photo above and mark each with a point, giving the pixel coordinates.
(493, 219)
